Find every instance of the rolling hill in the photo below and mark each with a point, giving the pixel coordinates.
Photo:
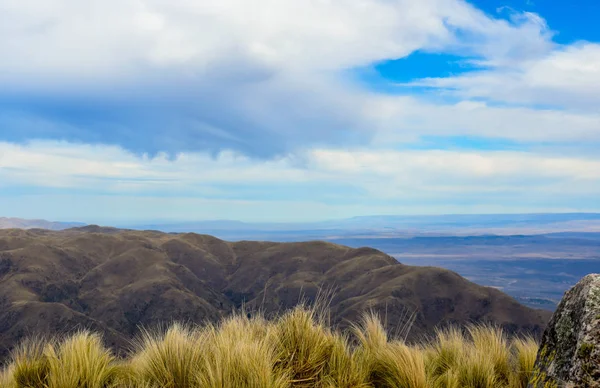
(114, 280)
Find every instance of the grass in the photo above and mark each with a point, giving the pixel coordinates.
(297, 349)
(78, 361)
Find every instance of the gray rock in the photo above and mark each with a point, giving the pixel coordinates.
(569, 354)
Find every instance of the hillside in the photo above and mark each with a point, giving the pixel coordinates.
(112, 281)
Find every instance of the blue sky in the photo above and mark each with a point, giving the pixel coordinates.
(127, 111)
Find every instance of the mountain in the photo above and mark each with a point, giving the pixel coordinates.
(390, 226)
(115, 280)
(20, 223)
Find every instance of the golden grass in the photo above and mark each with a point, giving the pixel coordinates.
(523, 358)
(78, 361)
(242, 354)
(29, 367)
(388, 364)
(298, 349)
(168, 359)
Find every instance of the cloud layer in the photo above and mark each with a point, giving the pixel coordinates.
(260, 102)
(341, 179)
(263, 79)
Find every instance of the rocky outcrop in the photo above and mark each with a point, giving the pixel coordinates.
(569, 354)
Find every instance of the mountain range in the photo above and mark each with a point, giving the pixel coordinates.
(358, 227)
(387, 226)
(20, 223)
(115, 281)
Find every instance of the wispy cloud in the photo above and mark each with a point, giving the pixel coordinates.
(434, 178)
(565, 78)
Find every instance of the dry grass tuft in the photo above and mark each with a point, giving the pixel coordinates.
(78, 361)
(344, 367)
(304, 346)
(490, 346)
(242, 354)
(81, 361)
(389, 364)
(29, 366)
(169, 359)
(298, 349)
(444, 357)
(480, 358)
(524, 355)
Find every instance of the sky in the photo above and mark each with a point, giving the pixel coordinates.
(123, 111)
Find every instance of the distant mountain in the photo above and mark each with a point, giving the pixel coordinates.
(390, 226)
(19, 223)
(115, 280)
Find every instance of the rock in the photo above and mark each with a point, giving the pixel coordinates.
(569, 354)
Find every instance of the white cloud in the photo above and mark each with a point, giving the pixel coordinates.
(254, 95)
(439, 176)
(111, 169)
(64, 165)
(401, 116)
(103, 37)
(261, 77)
(568, 77)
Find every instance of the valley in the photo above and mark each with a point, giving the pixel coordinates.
(536, 270)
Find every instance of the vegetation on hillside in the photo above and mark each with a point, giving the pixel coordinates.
(298, 349)
(113, 281)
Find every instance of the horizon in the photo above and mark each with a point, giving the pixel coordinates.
(174, 222)
(167, 222)
(297, 111)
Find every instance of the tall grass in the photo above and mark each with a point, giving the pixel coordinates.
(388, 364)
(167, 359)
(523, 359)
(297, 349)
(242, 354)
(78, 361)
(29, 366)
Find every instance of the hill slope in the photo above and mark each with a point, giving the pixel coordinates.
(115, 280)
